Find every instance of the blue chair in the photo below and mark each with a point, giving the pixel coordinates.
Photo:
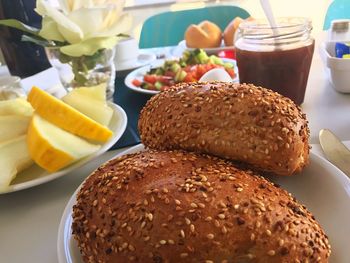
(338, 9)
(168, 28)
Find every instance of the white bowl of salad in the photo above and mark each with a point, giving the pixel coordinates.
(162, 74)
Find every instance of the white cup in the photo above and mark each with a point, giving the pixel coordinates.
(126, 50)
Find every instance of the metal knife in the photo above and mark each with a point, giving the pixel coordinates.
(336, 152)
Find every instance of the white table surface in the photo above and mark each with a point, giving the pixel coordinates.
(29, 219)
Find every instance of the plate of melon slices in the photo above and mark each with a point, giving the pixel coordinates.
(49, 137)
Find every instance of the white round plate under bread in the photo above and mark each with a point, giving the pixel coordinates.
(321, 187)
(35, 175)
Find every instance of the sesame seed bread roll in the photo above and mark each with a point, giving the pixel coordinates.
(204, 35)
(235, 121)
(158, 206)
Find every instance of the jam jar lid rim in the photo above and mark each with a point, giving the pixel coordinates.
(252, 24)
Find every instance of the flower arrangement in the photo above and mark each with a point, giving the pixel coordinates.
(80, 30)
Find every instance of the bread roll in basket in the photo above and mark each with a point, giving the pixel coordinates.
(204, 35)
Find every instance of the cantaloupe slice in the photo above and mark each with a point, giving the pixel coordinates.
(66, 117)
(91, 101)
(53, 148)
(14, 157)
(12, 126)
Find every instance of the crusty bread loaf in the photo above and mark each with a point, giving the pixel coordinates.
(230, 31)
(183, 207)
(204, 35)
(234, 121)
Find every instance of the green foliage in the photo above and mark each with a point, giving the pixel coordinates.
(82, 65)
(20, 26)
(38, 40)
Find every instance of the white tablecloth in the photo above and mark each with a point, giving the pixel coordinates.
(29, 219)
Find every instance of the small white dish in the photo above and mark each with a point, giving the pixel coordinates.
(322, 187)
(141, 60)
(35, 175)
(210, 51)
(140, 72)
(339, 67)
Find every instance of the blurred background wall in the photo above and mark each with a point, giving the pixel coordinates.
(314, 9)
(142, 9)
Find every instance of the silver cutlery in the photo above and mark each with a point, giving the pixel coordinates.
(336, 152)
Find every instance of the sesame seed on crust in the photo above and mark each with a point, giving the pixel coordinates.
(124, 227)
(239, 122)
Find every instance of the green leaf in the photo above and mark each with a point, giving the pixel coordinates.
(38, 40)
(89, 47)
(20, 26)
(64, 58)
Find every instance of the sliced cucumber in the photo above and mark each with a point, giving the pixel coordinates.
(228, 65)
(159, 71)
(175, 67)
(158, 85)
(180, 75)
(216, 60)
(201, 56)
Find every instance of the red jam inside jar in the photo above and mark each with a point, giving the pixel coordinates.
(276, 58)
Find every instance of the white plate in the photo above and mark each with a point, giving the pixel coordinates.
(322, 187)
(140, 72)
(210, 51)
(142, 60)
(35, 175)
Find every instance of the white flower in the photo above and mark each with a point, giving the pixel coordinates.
(72, 5)
(87, 25)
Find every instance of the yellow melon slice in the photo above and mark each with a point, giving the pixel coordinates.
(53, 148)
(91, 101)
(66, 117)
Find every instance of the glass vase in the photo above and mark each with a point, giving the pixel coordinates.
(85, 71)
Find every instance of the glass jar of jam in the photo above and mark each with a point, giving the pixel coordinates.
(276, 58)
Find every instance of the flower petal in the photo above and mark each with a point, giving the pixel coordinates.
(69, 30)
(40, 9)
(89, 47)
(70, 5)
(100, 3)
(64, 5)
(50, 31)
(122, 25)
(88, 19)
(77, 4)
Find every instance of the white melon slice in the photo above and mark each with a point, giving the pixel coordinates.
(14, 157)
(12, 126)
(18, 106)
(97, 92)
